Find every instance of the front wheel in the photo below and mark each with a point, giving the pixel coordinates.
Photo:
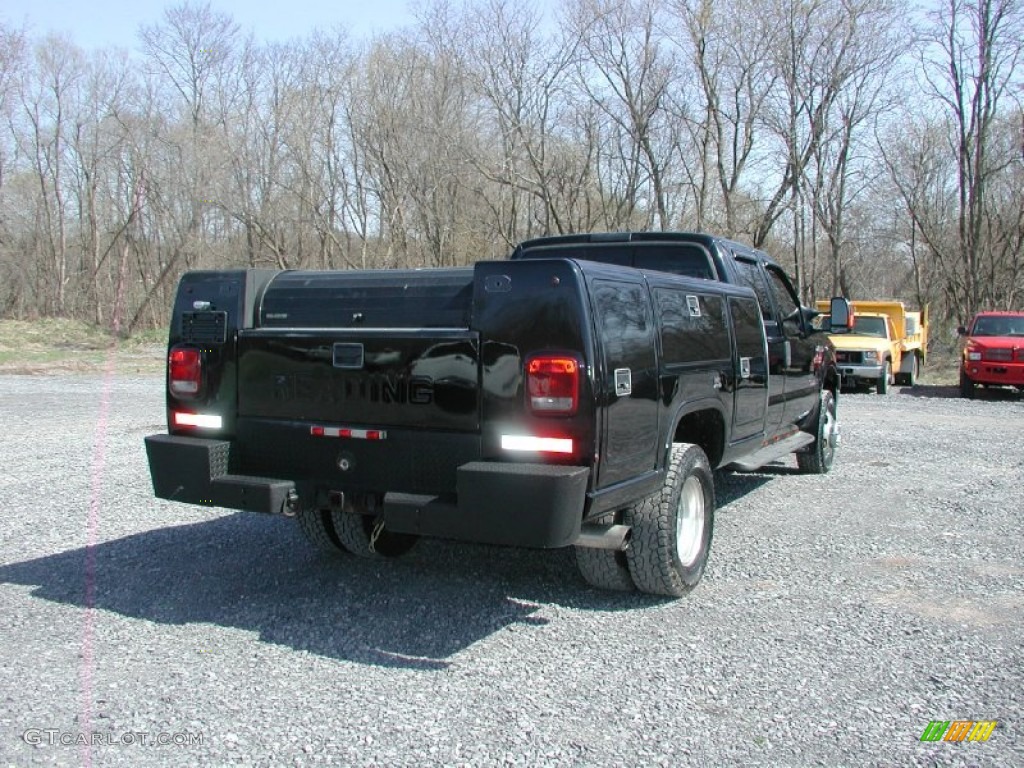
(672, 528)
(966, 386)
(364, 535)
(817, 460)
(883, 380)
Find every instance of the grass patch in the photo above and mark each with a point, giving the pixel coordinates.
(942, 368)
(54, 345)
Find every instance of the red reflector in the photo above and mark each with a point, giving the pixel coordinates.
(553, 384)
(184, 371)
(358, 434)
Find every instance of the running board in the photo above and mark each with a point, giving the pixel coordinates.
(774, 450)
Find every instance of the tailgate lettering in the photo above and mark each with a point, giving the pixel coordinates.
(373, 388)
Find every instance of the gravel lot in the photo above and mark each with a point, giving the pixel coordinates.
(838, 616)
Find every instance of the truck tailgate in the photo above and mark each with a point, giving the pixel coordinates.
(372, 377)
(373, 349)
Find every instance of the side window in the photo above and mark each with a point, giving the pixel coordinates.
(786, 301)
(622, 309)
(692, 326)
(751, 276)
(688, 260)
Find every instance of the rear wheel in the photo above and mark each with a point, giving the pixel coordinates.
(817, 460)
(883, 380)
(966, 386)
(604, 568)
(318, 528)
(910, 378)
(672, 528)
(363, 534)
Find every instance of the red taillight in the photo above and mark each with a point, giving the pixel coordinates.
(818, 360)
(185, 371)
(553, 384)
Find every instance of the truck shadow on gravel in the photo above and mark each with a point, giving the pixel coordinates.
(934, 391)
(931, 391)
(732, 485)
(257, 574)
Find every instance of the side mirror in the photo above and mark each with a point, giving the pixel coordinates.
(841, 314)
(961, 330)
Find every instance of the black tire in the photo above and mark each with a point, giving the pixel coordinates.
(667, 553)
(318, 528)
(966, 386)
(355, 526)
(817, 460)
(883, 380)
(910, 379)
(604, 568)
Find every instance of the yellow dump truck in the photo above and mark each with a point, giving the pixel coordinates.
(886, 344)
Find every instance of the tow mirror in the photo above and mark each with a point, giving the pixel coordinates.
(841, 314)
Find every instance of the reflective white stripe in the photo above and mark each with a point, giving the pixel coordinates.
(536, 444)
(207, 420)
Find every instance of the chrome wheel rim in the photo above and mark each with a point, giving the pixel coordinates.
(828, 434)
(690, 521)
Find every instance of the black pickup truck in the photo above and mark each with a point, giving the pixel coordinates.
(579, 394)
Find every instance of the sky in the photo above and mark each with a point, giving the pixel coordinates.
(97, 24)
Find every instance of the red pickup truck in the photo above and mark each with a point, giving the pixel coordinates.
(993, 354)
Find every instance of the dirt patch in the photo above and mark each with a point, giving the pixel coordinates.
(982, 611)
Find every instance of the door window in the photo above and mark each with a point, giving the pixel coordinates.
(751, 276)
(785, 300)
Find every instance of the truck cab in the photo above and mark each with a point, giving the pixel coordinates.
(993, 352)
(885, 344)
(869, 352)
(799, 358)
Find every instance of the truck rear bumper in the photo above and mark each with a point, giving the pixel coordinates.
(195, 471)
(527, 505)
(523, 505)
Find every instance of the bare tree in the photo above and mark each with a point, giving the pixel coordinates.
(972, 66)
(12, 63)
(521, 77)
(814, 57)
(728, 45)
(626, 69)
(47, 103)
(843, 167)
(189, 52)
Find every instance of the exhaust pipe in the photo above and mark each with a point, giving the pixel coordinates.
(291, 504)
(614, 537)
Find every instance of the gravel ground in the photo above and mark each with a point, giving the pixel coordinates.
(839, 614)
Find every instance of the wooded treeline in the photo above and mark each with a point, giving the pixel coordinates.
(874, 152)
